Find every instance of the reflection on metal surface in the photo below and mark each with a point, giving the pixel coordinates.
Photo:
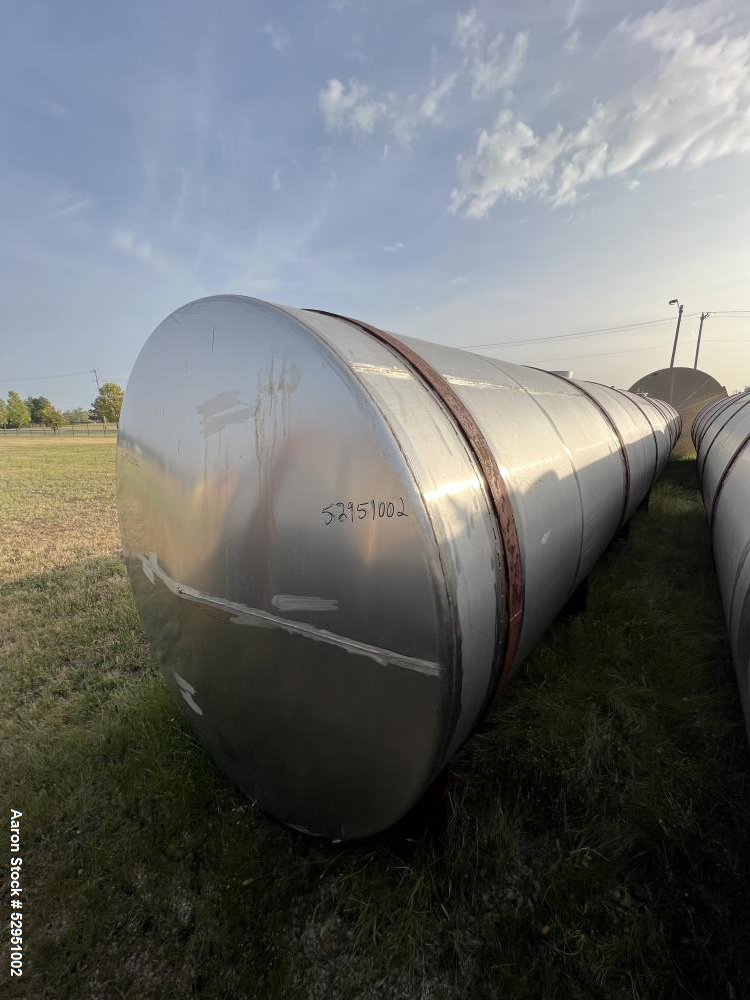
(721, 434)
(364, 506)
(688, 390)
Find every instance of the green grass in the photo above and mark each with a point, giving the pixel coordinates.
(595, 841)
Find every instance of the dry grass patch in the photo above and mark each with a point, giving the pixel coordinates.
(57, 503)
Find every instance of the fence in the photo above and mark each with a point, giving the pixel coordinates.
(78, 430)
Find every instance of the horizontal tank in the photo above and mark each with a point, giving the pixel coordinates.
(689, 390)
(721, 434)
(342, 543)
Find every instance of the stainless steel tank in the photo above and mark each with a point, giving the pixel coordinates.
(687, 389)
(721, 434)
(342, 543)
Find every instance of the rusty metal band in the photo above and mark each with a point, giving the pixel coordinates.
(498, 490)
(615, 430)
(744, 443)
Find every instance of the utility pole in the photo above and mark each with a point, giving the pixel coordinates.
(99, 389)
(700, 331)
(674, 302)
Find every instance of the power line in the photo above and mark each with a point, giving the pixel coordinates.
(41, 378)
(602, 331)
(636, 350)
(582, 333)
(605, 354)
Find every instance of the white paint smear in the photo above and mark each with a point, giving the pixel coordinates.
(289, 602)
(241, 614)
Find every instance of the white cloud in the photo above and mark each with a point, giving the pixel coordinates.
(429, 109)
(126, 242)
(66, 202)
(278, 34)
(495, 70)
(692, 107)
(632, 185)
(491, 68)
(469, 30)
(575, 10)
(356, 108)
(350, 107)
(510, 161)
(276, 180)
(393, 247)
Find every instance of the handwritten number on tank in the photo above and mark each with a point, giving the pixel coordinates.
(366, 509)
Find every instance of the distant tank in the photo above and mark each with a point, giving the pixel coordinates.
(688, 390)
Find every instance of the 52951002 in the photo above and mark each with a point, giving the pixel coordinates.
(364, 510)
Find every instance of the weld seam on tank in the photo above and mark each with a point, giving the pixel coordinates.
(620, 443)
(656, 445)
(740, 567)
(634, 401)
(729, 527)
(723, 478)
(620, 446)
(566, 449)
(702, 458)
(723, 405)
(501, 503)
(719, 407)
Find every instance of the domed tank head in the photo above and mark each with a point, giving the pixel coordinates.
(688, 390)
(285, 568)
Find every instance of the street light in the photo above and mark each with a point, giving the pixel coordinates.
(674, 302)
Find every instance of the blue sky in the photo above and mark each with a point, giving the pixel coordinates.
(468, 173)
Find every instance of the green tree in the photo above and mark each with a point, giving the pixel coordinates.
(3, 412)
(51, 417)
(18, 414)
(35, 405)
(107, 405)
(76, 416)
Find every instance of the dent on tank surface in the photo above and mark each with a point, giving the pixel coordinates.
(342, 543)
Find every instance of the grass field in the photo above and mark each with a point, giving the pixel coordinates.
(595, 841)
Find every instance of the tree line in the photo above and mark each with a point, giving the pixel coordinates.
(17, 412)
